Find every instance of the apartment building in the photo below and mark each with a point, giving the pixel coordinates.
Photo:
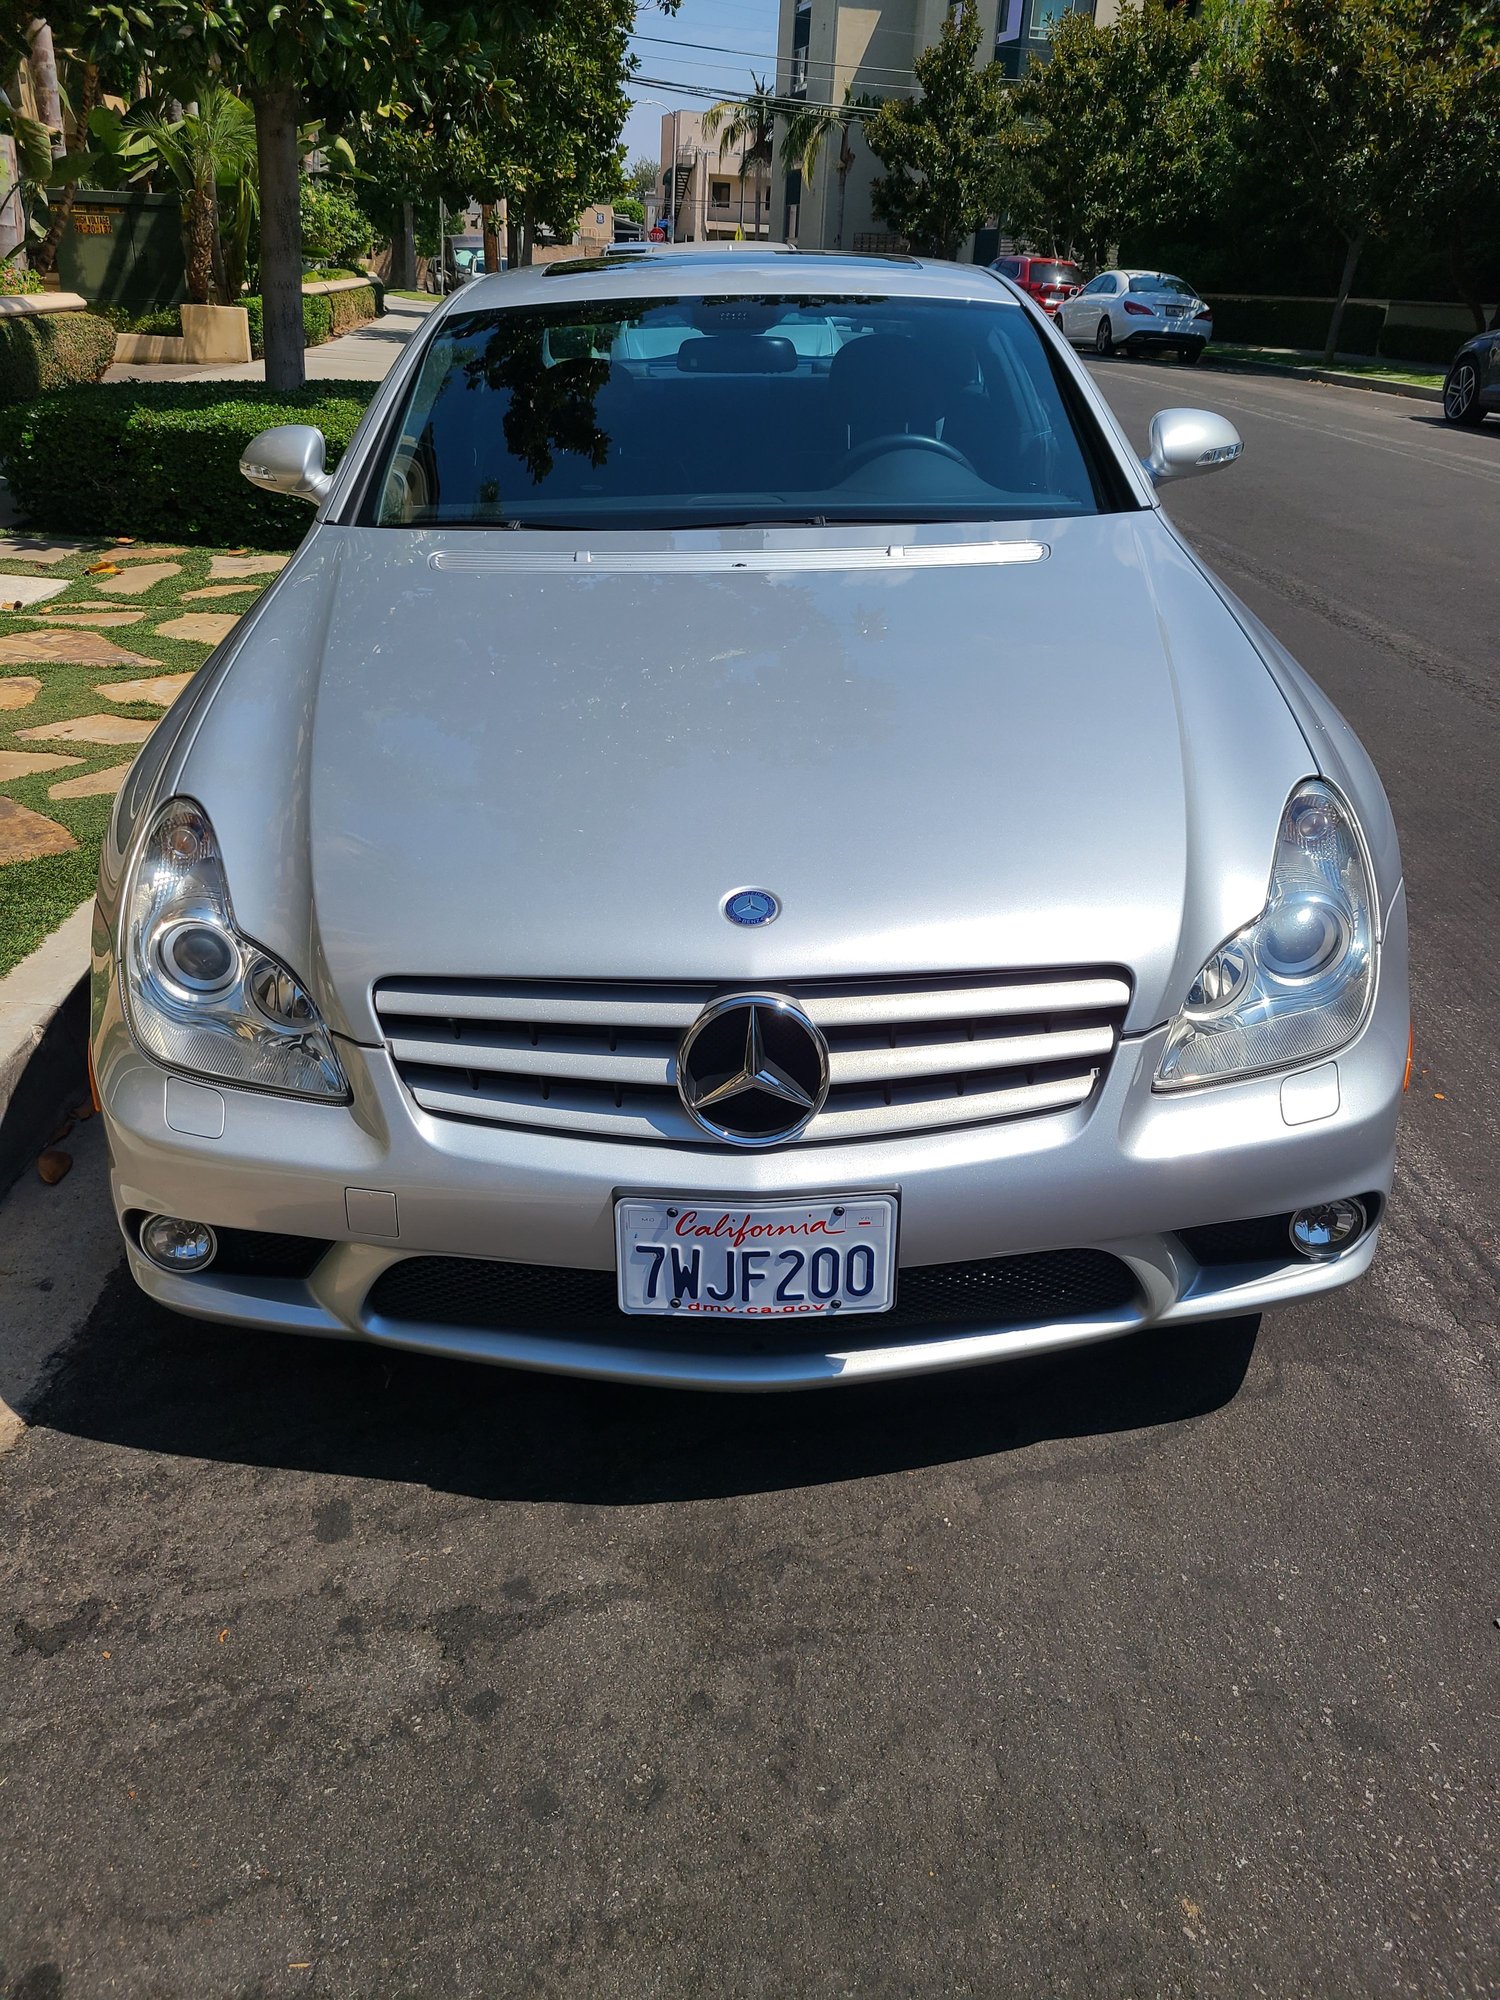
(709, 193)
(870, 46)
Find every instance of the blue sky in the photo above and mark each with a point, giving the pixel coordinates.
(742, 35)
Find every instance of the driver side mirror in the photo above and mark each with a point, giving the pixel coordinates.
(289, 459)
(1187, 442)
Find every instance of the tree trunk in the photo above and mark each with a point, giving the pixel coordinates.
(42, 62)
(404, 251)
(280, 234)
(491, 235)
(1355, 244)
(199, 236)
(512, 235)
(59, 213)
(1458, 268)
(527, 236)
(216, 251)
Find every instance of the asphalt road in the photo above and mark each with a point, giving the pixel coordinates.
(1172, 1669)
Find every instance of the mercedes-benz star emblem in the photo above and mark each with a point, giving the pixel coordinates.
(751, 907)
(753, 1069)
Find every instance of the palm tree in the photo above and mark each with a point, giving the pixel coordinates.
(210, 146)
(811, 126)
(748, 123)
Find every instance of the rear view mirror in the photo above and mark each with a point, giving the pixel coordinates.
(1187, 442)
(288, 459)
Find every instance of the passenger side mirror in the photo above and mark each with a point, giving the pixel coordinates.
(1187, 442)
(289, 459)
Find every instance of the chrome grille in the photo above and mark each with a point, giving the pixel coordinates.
(905, 1055)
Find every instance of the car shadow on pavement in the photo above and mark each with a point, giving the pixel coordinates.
(144, 1378)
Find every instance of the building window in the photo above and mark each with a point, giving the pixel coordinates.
(720, 193)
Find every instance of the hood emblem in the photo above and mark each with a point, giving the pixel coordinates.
(753, 1069)
(751, 907)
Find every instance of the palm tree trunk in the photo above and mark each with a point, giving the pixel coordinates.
(42, 62)
(491, 236)
(200, 253)
(44, 257)
(280, 233)
(216, 250)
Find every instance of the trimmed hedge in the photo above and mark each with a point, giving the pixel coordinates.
(160, 460)
(1436, 345)
(44, 351)
(323, 315)
(1295, 323)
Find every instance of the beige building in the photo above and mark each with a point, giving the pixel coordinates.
(870, 46)
(718, 195)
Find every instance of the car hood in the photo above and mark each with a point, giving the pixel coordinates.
(560, 772)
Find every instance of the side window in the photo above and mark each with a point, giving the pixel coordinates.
(1092, 289)
(1109, 285)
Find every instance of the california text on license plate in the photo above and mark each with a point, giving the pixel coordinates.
(756, 1260)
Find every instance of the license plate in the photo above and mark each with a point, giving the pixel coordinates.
(756, 1260)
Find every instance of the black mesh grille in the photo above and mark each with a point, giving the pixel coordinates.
(537, 1298)
(258, 1253)
(1261, 1240)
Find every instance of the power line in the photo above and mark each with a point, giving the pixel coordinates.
(784, 105)
(760, 55)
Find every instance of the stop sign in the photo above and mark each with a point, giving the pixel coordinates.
(656, 234)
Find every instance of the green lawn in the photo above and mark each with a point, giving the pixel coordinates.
(1299, 361)
(37, 894)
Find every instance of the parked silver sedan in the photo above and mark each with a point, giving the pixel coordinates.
(745, 850)
(1138, 312)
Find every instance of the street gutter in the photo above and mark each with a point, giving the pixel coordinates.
(1333, 377)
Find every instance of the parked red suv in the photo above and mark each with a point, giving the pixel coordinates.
(1048, 280)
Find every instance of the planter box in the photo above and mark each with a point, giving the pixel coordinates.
(209, 334)
(17, 305)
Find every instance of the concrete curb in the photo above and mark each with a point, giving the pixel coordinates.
(43, 1038)
(1330, 376)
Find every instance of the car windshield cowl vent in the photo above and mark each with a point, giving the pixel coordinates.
(904, 1056)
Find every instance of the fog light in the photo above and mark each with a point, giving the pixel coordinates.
(175, 1245)
(1328, 1228)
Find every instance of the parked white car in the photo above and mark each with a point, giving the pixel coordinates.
(1133, 311)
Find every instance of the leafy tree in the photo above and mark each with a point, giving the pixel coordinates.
(629, 207)
(212, 145)
(643, 176)
(1109, 146)
(1455, 197)
(950, 155)
(809, 127)
(749, 125)
(1327, 112)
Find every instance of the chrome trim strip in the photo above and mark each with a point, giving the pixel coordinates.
(696, 562)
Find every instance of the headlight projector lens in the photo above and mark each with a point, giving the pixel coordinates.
(175, 1245)
(199, 957)
(1328, 1229)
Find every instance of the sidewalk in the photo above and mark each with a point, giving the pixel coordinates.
(366, 355)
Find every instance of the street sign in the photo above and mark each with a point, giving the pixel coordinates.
(656, 234)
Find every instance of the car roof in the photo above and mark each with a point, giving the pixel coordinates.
(669, 270)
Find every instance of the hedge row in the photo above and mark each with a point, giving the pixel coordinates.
(323, 315)
(43, 351)
(160, 460)
(1436, 345)
(1295, 323)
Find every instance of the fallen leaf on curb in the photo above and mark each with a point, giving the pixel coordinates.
(224, 1635)
(122, 541)
(52, 1165)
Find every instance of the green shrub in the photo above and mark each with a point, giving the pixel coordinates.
(44, 351)
(160, 319)
(160, 460)
(1436, 345)
(1295, 323)
(350, 309)
(333, 229)
(17, 280)
(317, 321)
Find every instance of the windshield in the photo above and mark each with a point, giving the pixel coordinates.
(1158, 281)
(711, 412)
(1054, 274)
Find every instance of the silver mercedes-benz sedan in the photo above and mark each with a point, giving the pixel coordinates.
(746, 851)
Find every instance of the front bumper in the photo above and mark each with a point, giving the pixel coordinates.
(1122, 1174)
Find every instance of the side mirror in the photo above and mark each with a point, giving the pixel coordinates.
(288, 459)
(1186, 442)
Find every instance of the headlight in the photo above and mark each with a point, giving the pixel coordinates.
(198, 994)
(1297, 983)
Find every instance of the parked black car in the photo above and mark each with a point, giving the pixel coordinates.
(1472, 387)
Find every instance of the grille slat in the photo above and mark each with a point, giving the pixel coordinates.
(904, 1055)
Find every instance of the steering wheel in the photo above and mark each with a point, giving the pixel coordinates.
(904, 440)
